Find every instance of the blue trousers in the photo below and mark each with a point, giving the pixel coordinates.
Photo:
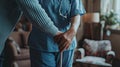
(0, 62)
(50, 59)
(1, 59)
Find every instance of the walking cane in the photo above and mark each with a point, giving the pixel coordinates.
(61, 57)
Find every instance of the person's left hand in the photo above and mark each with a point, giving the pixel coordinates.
(64, 39)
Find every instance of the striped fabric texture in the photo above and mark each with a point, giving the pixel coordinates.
(33, 10)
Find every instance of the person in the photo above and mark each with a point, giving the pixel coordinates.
(10, 12)
(44, 49)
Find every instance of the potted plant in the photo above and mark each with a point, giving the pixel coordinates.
(111, 19)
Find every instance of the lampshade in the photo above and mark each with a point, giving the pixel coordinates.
(91, 18)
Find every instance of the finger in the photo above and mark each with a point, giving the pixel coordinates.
(62, 41)
(63, 47)
(68, 46)
(63, 44)
(69, 42)
(57, 38)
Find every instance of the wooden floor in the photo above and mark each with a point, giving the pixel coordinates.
(116, 63)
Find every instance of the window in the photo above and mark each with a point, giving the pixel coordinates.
(111, 5)
(108, 5)
(116, 4)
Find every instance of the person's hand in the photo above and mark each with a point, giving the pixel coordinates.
(64, 39)
(58, 33)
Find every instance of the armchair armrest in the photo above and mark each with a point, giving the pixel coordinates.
(82, 52)
(111, 53)
(79, 53)
(12, 47)
(110, 56)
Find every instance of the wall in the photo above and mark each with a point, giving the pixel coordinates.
(92, 5)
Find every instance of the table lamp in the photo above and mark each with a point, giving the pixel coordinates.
(91, 18)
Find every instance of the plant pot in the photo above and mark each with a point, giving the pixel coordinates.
(115, 26)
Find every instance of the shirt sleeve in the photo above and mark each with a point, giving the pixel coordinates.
(37, 15)
(77, 8)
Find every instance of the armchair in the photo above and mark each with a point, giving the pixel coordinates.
(16, 52)
(95, 49)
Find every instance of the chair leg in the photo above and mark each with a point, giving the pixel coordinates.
(84, 65)
(15, 64)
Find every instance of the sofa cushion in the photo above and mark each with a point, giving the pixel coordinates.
(96, 48)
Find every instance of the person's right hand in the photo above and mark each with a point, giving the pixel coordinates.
(64, 39)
